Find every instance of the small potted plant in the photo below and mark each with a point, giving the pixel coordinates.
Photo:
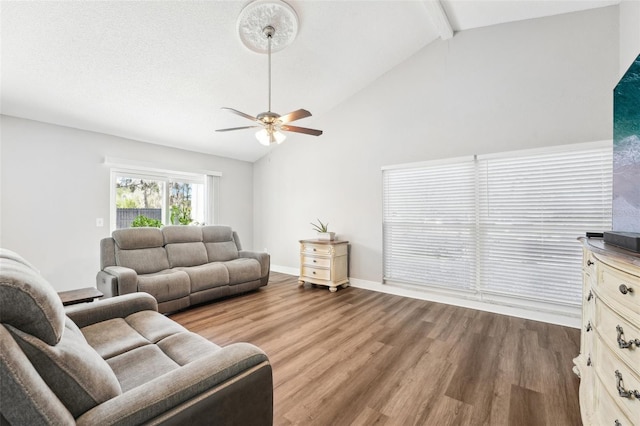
(322, 230)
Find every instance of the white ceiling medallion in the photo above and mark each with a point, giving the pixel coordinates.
(262, 13)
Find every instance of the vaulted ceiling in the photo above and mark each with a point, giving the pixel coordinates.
(160, 71)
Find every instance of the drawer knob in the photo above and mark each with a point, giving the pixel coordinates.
(589, 327)
(617, 423)
(314, 261)
(622, 391)
(589, 362)
(589, 263)
(313, 272)
(623, 343)
(590, 296)
(624, 289)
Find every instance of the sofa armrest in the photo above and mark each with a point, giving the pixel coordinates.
(84, 314)
(263, 258)
(127, 279)
(231, 386)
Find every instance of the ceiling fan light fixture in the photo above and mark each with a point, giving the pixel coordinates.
(267, 137)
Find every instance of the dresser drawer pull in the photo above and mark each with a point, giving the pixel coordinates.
(589, 263)
(589, 327)
(314, 261)
(623, 343)
(313, 272)
(589, 362)
(617, 423)
(590, 296)
(622, 391)
(624, 289)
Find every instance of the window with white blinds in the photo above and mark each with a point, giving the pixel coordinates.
(497, 227)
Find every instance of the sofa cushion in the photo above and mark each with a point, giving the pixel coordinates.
(216, 233)
(138, 238)
(153, 326)
(27, 300)
(165, 285)
(221, 252)
(182, 234)
(218, 240)
(186, 347)
(186, 254)
(143, 261)
(113, 337)
(242, 270)
(207, 276)
(72, 369)
(140, 365)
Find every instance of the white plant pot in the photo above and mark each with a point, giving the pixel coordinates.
(327, 236)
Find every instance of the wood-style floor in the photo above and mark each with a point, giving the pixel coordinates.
(364, 358)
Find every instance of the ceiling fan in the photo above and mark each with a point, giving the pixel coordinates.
(273, 124)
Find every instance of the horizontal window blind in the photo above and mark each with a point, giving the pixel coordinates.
(430, 225)
(497, 226)
(532, 208)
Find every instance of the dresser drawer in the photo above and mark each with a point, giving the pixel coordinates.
(322, 274)
(607, 364)
(607, 323)
(323, 262)
(614, 285)
(606, 411)
(321, 249)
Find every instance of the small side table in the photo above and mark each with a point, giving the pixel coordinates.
(324, 262)
(81, 295)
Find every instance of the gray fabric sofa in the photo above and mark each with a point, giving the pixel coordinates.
(117, 361)
(179, 265)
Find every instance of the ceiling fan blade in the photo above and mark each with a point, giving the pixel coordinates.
(295, 115)
(304, 130)
(237, 128)
(242, 114)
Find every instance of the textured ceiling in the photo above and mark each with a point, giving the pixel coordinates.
(160, 71)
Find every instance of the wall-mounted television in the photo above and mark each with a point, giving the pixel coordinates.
(626, 151)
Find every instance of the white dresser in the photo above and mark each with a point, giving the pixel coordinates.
(324, 262)
(609, 360)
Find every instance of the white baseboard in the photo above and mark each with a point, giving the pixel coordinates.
(572, 320)
(286, 270)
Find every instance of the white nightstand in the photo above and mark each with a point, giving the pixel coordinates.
(324, 262)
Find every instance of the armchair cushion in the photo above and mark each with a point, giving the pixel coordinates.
(72, 369)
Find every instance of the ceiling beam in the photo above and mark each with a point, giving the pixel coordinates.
(439, 18)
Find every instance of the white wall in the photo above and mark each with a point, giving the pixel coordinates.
(521, 85)
(629, 33)
(54, 185)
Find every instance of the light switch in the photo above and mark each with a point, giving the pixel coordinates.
(99, 222)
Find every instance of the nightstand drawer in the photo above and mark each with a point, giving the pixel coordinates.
(322, 274)
(323, 262)
(321, 249)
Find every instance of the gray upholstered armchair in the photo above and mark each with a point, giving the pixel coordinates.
(117, 361)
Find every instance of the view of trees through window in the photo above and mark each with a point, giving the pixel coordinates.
(156, 202)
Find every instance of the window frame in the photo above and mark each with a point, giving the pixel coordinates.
(209, 179)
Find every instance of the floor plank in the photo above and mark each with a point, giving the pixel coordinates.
(357, 357)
